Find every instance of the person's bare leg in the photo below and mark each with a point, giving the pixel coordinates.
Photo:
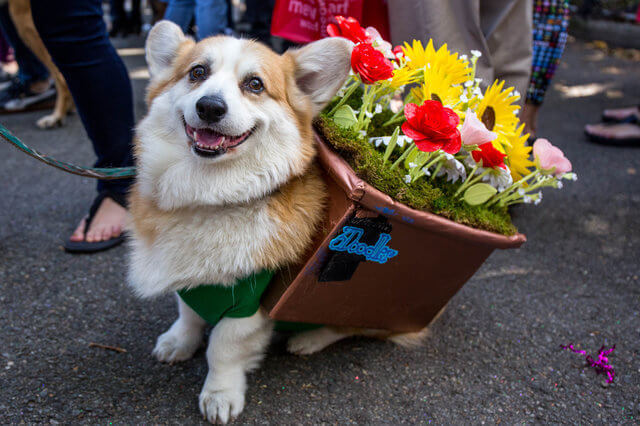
(529, 117)
(107, 223)
(621, 113)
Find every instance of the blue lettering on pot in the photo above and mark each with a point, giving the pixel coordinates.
(349, 241)
(386, 210)
(408, 219)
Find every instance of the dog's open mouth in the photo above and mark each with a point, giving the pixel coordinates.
(209, 143)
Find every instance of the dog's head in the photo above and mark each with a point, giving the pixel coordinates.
(229, 119)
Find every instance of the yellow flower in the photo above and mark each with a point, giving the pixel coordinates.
(403, 76)
(497, 111)
(419, 57)
(518, 154)
(438, 86)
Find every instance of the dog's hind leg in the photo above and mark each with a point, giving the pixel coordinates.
(183, 338)
(20, 11)
(236, 346)
(309, 342)
(312, 341)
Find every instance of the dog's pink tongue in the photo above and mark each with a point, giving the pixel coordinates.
(208, 138)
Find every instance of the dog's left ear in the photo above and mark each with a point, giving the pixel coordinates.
(322, 68)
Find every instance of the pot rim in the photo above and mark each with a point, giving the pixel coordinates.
(360, 191)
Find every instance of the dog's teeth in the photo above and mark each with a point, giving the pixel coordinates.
(223, 139)
(195, 135)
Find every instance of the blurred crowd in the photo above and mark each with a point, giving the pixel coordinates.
(52, 53)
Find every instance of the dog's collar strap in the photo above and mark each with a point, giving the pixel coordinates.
(212, 302)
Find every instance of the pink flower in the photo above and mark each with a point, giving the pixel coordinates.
(550, 158)
(474, 132)
(379, 43)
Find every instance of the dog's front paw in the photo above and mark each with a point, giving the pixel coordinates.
(174, 347)
(220, 406)
(50, 121)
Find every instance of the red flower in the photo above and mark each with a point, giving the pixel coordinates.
(398, 52)
(489, 155)
(370, 64)
(432, 127)
(348, 28)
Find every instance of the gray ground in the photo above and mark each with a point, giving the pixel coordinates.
(494, 355)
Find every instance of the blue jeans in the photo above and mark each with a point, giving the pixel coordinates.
(76, 37)
(210, 15)
(30, 68)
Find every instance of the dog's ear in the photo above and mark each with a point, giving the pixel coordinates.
(322, 68)
(162, 46)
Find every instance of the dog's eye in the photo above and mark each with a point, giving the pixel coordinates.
(255, 85)
(197, 73)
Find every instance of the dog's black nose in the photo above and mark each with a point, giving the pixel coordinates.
(211, 108)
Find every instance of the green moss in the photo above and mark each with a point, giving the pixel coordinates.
(438, 198)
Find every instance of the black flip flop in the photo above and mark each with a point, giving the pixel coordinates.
(631, 119)
(77, 247)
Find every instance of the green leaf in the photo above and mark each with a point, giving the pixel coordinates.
(345, 117)
(479, 193)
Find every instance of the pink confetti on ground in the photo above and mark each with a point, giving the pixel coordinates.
(601, 365)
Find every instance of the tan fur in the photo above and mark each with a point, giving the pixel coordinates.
(300, 205)
(147, 218)
(20, 11)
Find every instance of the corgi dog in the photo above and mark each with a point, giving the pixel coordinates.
(228, 186)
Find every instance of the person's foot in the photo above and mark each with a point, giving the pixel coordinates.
(5, 79)
(19, 97)
(107, 223)
(622, 133)
(621, 114)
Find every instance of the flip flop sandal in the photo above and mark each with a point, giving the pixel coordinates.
(631, 119)
(605, 140)
(77, 247)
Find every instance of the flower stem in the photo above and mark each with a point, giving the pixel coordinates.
(466, 182)
(403, 156)
(475, 179)
(395, 119)
(435, 172)
(427, 165)
(367, 100)
(511, 192)
(392, 145)
(346, 96)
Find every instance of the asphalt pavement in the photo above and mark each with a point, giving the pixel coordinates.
(493, 357)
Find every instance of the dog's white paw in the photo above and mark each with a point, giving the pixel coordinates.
(50, 121)
(313, 341)
(220, 406)
(174, 347)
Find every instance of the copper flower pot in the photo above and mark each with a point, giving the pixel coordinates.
(396, 274)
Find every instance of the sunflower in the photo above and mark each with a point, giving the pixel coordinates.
(419, 57)
(498, 112)
(438, 86)
(403, 76)
(518, 154)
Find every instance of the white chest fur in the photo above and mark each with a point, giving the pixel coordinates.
(200, 245)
